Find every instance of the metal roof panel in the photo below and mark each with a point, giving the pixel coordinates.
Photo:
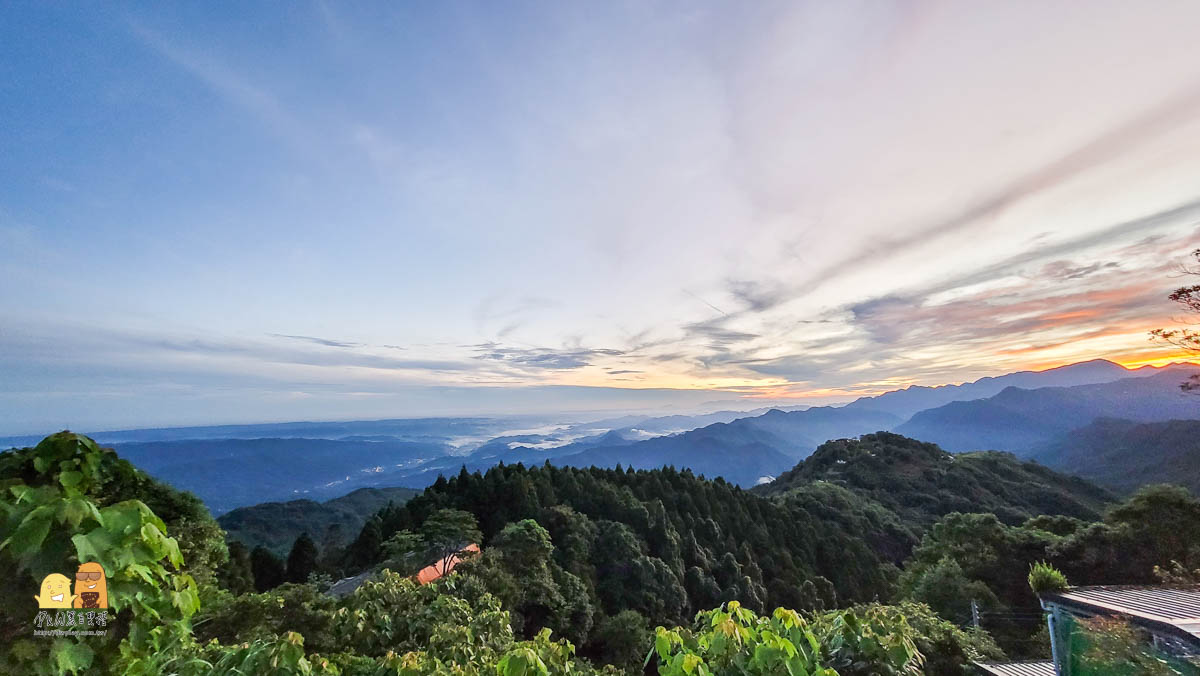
(1175, 605)
(1041, 668)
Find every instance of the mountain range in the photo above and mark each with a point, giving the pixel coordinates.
(743, 451)
(907, 402)
(234, 466)
(751, 450)
(1123, 454)
(230, 473)
(1019, 420)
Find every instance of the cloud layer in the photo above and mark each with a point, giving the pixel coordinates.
(371, 211)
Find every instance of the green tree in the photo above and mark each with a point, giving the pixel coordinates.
(525, 545)
(622, 640)
(1155, 527)
(236, 574)
(520, 570)
(269, 571)
(404, 551)
(201, 540)
(302, 560)
(368, 546)
(447, 534)
(1167, 521)
(49, 524)
(948, 649)
(290, 607)
(945, 589)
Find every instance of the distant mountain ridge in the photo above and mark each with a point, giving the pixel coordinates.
(231, 473)
(749, 449)
(909, 401)
(744, 447)
(1123, 454)
(742, 451)
(276, 525)
(1019, 420)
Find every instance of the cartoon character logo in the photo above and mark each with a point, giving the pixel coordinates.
(91, 587)
(54, 592)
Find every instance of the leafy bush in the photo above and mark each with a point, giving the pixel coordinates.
(1116, 647)
(948, 591)
(49, 523)
(949, 650)
(734, 640)
(1177, 575)
(1045, 579)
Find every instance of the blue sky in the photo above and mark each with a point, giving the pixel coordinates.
(229, 213)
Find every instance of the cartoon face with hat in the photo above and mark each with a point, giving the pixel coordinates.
(91, 587)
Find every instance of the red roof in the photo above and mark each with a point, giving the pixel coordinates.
(430, 573)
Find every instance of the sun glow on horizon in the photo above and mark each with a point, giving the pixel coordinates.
(1159, 361)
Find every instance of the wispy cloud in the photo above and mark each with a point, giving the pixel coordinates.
(320, 341)
(542, 358)
(228, 82)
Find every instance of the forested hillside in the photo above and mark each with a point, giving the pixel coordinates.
(920, 482)
(739, 454)
(690, 543)
(601, 581)
(597, 557)
(660, 545)
(975, 556)
(333, 523)
(1124, 455)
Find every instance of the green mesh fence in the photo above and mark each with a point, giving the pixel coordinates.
(1108, 648)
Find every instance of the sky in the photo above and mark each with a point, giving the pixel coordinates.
(221, 212)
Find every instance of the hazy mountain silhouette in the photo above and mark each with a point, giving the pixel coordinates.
(1020, 420)
(276, 525)
(911, 400)
(1123, 454)
(742, 451)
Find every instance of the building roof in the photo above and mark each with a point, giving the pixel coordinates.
(1176, 608)
(430, 573)
(347, 585)
(1045, 668)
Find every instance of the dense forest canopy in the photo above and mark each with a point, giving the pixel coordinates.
(665, 544)
(921, 482)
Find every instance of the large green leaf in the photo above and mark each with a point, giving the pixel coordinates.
(71, 657)
(31, 532)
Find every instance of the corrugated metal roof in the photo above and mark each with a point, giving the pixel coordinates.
(1176, 605)
(1017, 668)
